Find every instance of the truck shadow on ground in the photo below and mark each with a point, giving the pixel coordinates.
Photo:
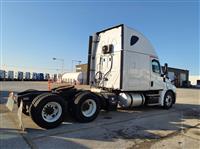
(14, 138)
(148, 123)
(144, 123)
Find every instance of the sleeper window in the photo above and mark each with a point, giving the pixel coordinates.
(134, 39)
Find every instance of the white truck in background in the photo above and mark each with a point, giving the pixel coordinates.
(123, 70)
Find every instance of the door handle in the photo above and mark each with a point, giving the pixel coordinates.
(151, 83)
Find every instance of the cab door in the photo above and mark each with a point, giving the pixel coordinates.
(156, 82)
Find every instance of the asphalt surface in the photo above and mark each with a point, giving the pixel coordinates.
(143, 127)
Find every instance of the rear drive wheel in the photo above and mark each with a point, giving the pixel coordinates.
(48, 110)
(168, 100)
(87, 108)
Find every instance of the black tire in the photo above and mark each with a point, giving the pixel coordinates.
(39, 96)
(86, 98)
(36, 110)
(168, 100)
(72, 106)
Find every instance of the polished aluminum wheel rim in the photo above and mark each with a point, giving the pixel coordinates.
(88, 108)
(168, 100)
(51, 112)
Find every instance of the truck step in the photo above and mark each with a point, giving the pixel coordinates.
(153, 104)
(153, 95)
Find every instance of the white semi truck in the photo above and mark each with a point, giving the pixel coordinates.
(123, 70)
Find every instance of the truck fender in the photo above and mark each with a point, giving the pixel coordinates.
(76, 100)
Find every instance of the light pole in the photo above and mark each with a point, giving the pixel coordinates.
(62, 62)
(79, 62)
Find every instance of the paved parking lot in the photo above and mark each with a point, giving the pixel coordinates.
(144, 127)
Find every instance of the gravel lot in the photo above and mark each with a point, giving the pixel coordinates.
(144, 127)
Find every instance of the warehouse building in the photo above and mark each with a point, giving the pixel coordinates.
(179, 77)
(82, 68)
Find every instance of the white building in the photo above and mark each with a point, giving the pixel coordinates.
(193, 79)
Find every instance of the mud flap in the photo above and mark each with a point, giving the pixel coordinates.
(10, 102)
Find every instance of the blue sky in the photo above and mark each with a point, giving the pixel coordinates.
(33, 32)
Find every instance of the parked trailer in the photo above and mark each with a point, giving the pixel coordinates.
(20, 75)
(55, 77)
(47, 76)
(34, 76)
(10, 76)
(123, 69)
(2, 75)
(40, 76)
(27, 76)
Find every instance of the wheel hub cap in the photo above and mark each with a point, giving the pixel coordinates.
(88, 108)
(168, 100)
(51, 112)
(48, 110)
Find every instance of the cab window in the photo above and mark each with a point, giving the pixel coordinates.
(156, 66)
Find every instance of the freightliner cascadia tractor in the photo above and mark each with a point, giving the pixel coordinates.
(123, 71)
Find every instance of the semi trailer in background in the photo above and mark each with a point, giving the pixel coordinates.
(123, 70)
(47, 76)
(40, 76)
(2, 74)
(34, 76)
(55, 77)
(27, 76)
(10, 75)
(20, 75)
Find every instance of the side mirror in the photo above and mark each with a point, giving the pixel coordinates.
(163, 76)
(165, 69)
